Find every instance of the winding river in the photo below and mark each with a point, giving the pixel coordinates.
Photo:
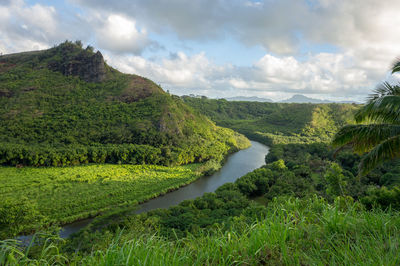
(237, 165)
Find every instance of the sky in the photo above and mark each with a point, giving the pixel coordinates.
(326, 49)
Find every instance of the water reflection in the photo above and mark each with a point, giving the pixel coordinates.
(237, 165)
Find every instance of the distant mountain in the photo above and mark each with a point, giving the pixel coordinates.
(298, 98)
(248, 99)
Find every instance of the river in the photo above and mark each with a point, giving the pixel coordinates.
(236, 165)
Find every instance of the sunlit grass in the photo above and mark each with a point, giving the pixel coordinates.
(67, 194)
(295, 232)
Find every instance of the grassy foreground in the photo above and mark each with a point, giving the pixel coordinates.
(294, 232)
(35, 197)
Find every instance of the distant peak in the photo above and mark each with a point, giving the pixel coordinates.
(299, 98)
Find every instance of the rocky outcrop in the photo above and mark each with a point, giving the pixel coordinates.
(85, 64)
(68, 58)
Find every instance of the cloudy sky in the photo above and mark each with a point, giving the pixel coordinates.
(329, 49)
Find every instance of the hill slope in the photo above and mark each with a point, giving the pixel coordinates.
(65, 105)
(273, 123)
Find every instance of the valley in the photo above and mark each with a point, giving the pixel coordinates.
(136, 175)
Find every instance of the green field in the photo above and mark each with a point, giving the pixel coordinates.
(34, 197)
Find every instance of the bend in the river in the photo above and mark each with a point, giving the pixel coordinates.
(236, 165)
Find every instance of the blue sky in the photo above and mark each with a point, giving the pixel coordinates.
(329, 49)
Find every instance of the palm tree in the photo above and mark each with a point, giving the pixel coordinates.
(377, 132)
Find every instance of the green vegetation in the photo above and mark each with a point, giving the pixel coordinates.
(36, 197)
(277, 123)
(306, 207)
(65, 106)
(294, 232)
(377, 132)
(303, 171)
(319, 159)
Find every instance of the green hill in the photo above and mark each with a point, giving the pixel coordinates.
(274, 123)
(66, 106)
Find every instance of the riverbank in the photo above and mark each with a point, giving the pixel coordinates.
(236, 165)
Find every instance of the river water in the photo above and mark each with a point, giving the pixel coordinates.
(237, 165)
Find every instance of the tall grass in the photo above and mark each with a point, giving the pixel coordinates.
(295, 232)
(42, 250)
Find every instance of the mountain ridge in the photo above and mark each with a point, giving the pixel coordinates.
(297, 98)
(67, 102)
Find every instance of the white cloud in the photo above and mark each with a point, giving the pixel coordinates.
(357, 26)
(181, 71)
(38, 17)
(322, 74)
(26, 27)
(270, 24)
(119, 34)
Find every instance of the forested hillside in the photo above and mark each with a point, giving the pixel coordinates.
(66, 106)
(274, 123)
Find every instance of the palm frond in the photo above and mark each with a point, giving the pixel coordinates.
(385, 109)
(362, 138)
(380, 136)
(384, 89)
(385, 151)
(396, 66)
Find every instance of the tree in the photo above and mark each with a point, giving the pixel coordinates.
(79, 43)
(377, 132)
(336, 181)
(90, 48)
